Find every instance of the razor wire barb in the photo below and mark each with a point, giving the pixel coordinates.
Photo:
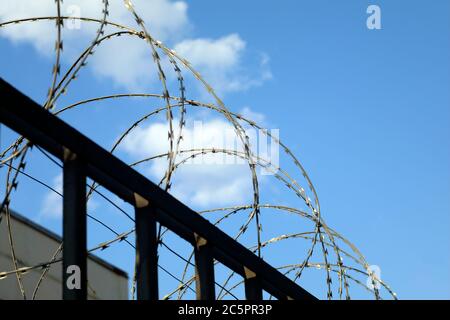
(322, 241)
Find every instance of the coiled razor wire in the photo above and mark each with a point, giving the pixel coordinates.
(325, 244)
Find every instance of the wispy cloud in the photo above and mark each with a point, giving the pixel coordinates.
(52, 203)
(221, 62)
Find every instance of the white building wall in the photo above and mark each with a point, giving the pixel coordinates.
(34, 245)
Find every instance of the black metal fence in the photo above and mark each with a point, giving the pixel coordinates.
(83, 158)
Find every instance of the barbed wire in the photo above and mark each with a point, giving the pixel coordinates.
(322, 242)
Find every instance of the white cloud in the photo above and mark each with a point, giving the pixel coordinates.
(214, 180)
(222, 53)
(41, 35)
(130, 65)
(127, 61)
(220, 61)
(164, 18)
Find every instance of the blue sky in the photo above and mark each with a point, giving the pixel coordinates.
(366, 111)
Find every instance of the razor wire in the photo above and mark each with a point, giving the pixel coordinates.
(322, 241)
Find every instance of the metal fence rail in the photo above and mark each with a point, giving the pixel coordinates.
(83, 158)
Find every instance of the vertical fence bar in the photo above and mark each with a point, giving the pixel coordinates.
(253, 289)
(74, 229)
(204, 270)
(146, 251)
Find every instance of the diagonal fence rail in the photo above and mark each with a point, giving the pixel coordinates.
(83, 158)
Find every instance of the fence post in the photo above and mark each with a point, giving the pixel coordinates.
(74, 228)
(204, 270)
(146, 251)
(253, 290)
